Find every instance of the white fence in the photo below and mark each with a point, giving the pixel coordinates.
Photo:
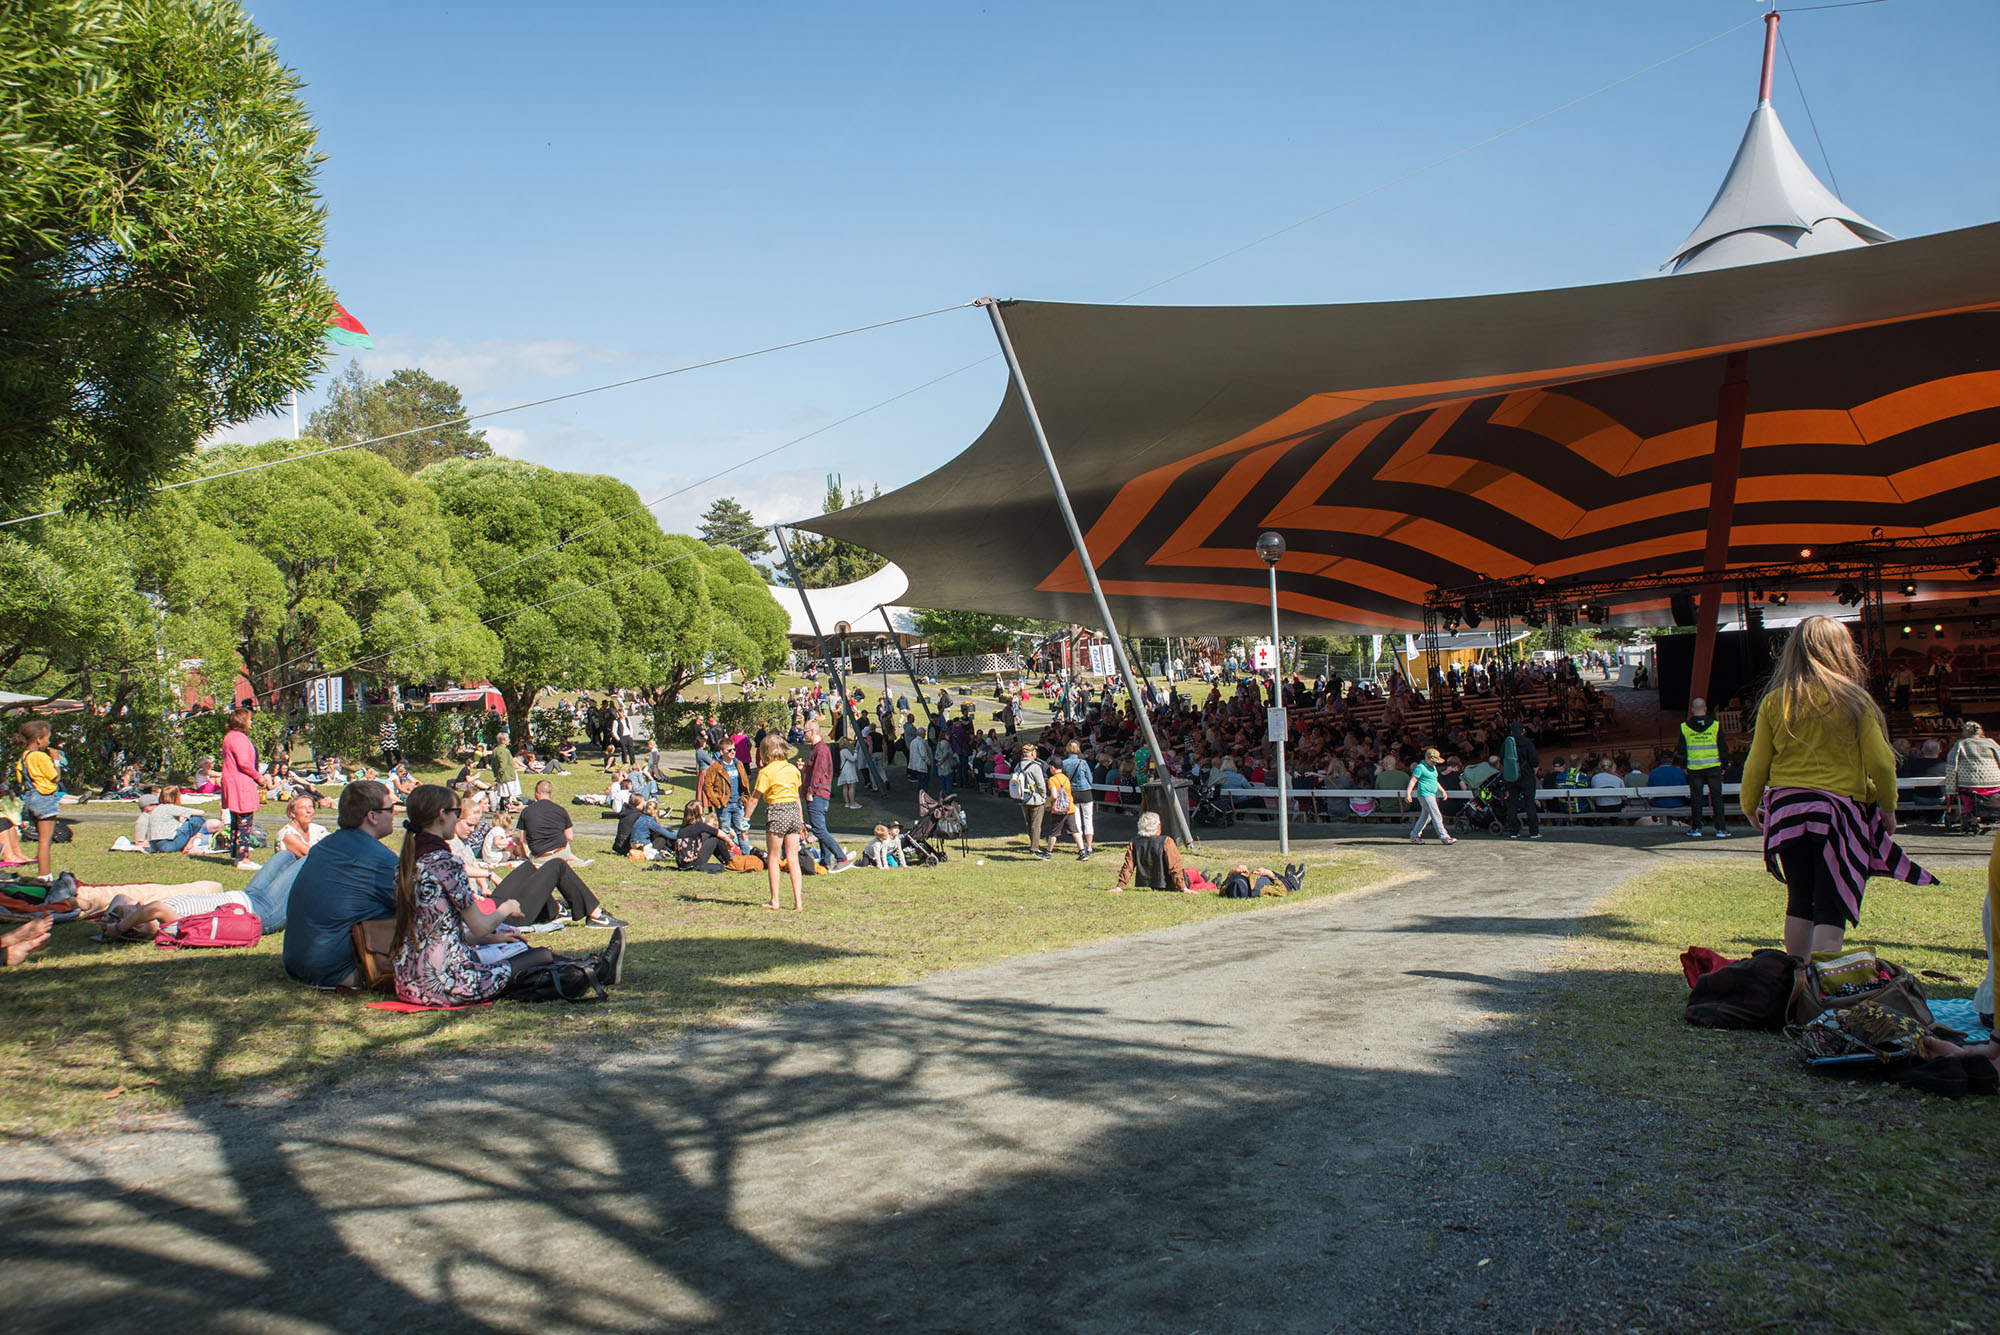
(968, 665)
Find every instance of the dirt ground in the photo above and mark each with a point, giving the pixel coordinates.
(1310, 1118)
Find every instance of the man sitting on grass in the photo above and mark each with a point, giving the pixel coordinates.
(547, 828)
(349, 877)
(1153, 860)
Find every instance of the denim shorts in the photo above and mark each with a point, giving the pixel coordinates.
(39, 806)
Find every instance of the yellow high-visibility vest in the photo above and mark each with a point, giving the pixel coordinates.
(1703, 749)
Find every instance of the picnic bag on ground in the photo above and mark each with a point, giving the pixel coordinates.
(1864, 1028)
(230, 925)
(1844, 979)
(1747, 994)
(561, 979)
(745, 862)
(374, 964)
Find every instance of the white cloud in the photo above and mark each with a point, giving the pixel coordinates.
(488, 365)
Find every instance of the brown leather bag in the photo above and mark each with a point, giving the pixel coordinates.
(374, 962)
(1900, 992)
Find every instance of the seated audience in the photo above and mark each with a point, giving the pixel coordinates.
(547, 828)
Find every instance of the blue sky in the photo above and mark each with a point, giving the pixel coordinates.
(531, 199)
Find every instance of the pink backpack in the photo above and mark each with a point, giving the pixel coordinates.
(230, 925)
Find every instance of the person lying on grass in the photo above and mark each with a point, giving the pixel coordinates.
(127, 919)
(1250, 882)
(163, 825)
(1153, 860)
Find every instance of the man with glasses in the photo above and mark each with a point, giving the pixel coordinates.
(348, 877)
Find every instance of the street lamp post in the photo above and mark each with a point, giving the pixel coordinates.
(1271, 547)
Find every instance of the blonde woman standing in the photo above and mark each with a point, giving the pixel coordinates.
(1821, 784)
(784, 822)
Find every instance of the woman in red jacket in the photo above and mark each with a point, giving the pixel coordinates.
(241, 786)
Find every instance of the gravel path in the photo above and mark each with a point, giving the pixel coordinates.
(1312, 1117)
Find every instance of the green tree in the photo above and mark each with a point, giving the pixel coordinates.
(728, 524)
(826, 563)
(359, 407)
(953, 633)
(335, 563)
(160, 236)
(615, 602)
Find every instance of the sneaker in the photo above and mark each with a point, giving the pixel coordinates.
(1517, 835)
(1083, 857)
(1722, 834)
(602, 920)
(1695, 833)
(248, 865)
(1536, 835)
(1041, 857)
(611, 960)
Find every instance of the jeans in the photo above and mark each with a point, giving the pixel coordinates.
(1428, 812)
(732, 817)
(190, 827)
(1710, 779)
(829, 847)
(270, 890)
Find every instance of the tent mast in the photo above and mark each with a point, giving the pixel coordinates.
(1175, 814)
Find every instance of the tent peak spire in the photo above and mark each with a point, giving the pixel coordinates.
(1771, 206)
(1770, 58)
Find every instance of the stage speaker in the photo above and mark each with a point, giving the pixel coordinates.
(1683, 605)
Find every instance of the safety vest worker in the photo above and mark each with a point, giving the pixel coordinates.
(1703, 743)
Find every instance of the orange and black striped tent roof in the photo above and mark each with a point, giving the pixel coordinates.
(1401, 447)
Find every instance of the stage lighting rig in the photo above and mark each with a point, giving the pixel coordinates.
(1536, 617)
(1909, 588)
(1849, 593)
(1780, 597)
(1597, 613)
(1472, 615)
(1565, 615)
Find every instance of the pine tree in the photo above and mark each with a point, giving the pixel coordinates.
(728, 524)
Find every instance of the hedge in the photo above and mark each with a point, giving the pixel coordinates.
(673, 725)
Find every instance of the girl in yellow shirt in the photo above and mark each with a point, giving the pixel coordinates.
(778, 787)
(35, 780)
(1821, 784)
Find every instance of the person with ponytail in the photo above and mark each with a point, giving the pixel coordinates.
(440, 927)
(1821, 784)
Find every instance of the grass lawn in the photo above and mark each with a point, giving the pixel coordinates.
(99, 1030)
(1875, 1204)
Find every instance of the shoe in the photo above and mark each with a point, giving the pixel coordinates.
(1041, 857)
(1516, 836)
(248, 865)
(610, 961)
(1083, 857)
(1722, 834)
(1448, 841)
(1536, 835)
(1695, 833)
(601, 920)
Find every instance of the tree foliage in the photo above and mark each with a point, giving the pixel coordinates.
(616, 603)
(727, 524)
(826, 563)
(953, 633)
(160, 237)
(360, 407)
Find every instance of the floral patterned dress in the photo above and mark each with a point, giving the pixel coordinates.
(437, 965)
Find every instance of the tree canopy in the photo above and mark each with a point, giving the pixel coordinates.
(826, 563)
(360, 407)
(160, 234)
(952, 633)
(617, 602)
(727, 524)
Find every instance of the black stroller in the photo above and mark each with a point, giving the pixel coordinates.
(938, 819)
(1212, 806)
(1486, 809)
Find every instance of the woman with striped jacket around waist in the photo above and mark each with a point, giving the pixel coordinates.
(1821, 784)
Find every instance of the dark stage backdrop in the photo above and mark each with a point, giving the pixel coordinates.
(1743, 662)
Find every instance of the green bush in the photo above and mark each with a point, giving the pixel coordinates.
(201, 735)
(549, 728)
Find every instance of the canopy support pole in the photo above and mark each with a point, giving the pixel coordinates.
(1177, 816)
(908, 670)
(1731, 408)
(864, 755)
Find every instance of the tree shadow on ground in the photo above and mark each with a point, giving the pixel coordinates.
(903, 1162)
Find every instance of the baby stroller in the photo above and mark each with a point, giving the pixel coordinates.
(1967, 812)
(938, 819)
(1486, 809)
(1212, 806)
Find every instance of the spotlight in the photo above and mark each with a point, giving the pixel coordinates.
(1805, 553)
(1541, 579)
(1906, 632)
(1780, 597)
(1565, 615)
(1598, 613)
(1849, 593)
(1937, 627)
(1875, 532)
(1909, 588)
(1451, 623)
(1536, 617)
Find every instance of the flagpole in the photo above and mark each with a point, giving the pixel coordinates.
(295, 414)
